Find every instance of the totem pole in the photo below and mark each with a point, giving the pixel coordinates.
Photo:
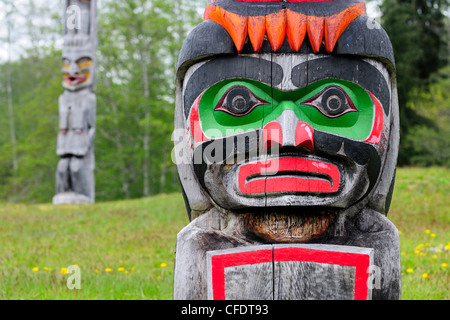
(286, 141)
(75, 182)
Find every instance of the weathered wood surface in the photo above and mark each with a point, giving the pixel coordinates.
(313, 281)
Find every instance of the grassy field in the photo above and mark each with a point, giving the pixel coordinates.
(125, 249)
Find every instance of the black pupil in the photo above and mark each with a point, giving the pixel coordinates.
(238, 101)
(334, 101)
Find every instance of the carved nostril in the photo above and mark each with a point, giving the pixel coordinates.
(304, 136)
(272, 134)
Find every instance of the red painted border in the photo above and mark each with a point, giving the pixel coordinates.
(196, 126)
(377, 128)
(361, 262)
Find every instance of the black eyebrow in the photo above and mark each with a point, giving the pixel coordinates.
(83, 58)
(239, 67)
(351, 69)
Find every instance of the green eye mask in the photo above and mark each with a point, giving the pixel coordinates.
(335, 106)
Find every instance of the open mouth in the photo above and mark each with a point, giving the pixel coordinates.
(289, 174)
(74, 79)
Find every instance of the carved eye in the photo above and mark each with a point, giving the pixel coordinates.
(239, 101)
(332, 102)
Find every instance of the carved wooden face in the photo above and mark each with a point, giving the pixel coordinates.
(77, 71)
(287, 130)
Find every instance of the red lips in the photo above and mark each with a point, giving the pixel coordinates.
(75, 79)
(289, 174)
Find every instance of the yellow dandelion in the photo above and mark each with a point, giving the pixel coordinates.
(46, 268)
(435, 256)
(121, 269)
(403, 253)
(97, 271)
(108, 270)
(420, 246)
(433, 235)
(410, 270)
(399, 233)
(427, 244)
(416, 251)
(428, 231)
(126, 272)
(163, 265)
(444, 265)
(425, 275)
(438, 250)
(422, 254)
(132, 269)
(63, 271)
(35, 269)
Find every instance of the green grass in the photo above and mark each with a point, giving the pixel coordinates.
(421, 211)
(139, 236)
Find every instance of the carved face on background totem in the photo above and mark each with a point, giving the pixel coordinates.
(77, 71)
(287, 121)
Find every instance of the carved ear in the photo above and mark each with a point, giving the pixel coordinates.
(381, 198)
(196, 201)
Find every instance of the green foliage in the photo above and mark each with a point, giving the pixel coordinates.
(430, 145)
(36, 122)
(418, 30)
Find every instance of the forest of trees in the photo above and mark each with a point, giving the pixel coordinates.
(139, 42)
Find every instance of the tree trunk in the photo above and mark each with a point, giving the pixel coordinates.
(12, 126)
(146, 137)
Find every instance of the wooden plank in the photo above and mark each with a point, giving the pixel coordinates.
(295, 280)
(249, 282)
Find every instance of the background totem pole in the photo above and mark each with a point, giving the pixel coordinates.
(77, 105)
(289, 133)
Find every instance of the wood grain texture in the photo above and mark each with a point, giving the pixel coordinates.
(296, 280)
(249, 282)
